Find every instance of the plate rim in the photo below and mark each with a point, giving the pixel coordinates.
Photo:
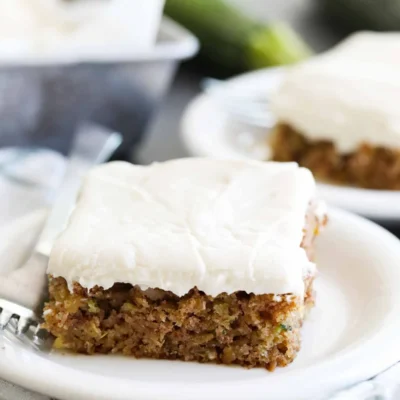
(87, 383)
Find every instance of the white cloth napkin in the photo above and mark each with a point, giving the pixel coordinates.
(28, 181)
(385, 386)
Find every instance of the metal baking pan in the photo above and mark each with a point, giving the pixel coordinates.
(42, 105)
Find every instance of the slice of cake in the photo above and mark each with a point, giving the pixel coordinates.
(339, 115)
(192, 259)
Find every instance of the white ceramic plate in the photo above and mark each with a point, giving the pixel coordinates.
(208, 131)
(351, 335)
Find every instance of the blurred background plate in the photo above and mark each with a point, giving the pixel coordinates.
(209, 130)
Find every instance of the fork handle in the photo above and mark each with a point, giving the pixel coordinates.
(92, 145)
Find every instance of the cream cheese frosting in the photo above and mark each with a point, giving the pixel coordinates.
(348, 95)
(85, 30)
(222, 226)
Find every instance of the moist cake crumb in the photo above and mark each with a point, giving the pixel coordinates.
(367, 167)
(240, 328)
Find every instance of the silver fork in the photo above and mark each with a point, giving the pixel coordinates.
(248, 103)
(22, 298)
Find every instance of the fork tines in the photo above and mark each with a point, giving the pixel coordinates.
(10, 312)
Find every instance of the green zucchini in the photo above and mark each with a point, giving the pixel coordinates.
(235, 41)
(381, 15)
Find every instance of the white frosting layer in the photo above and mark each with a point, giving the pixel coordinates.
(349, 95)
(58, 30)
(222, 226)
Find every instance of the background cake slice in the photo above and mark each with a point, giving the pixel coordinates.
(191, 259)
(338, 113)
